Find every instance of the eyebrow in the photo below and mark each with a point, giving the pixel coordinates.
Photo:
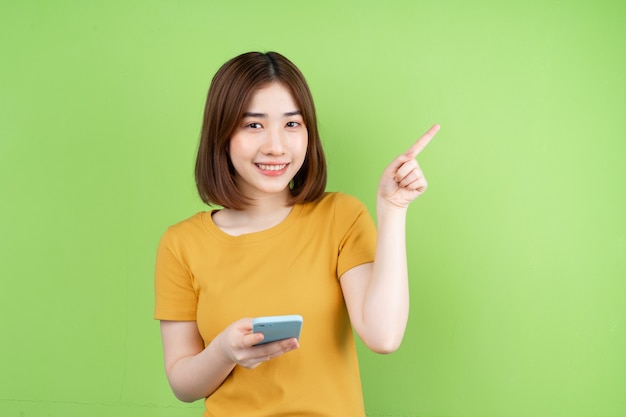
(263, 115)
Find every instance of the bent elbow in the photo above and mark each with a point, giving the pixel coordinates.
(186, 393)
(385, 350)
(384, 346)
(184, 397)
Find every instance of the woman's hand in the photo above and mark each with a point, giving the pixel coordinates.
(403, 180)
(195, 372)
(237, 344)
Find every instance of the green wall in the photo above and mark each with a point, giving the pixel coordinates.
(517, 252)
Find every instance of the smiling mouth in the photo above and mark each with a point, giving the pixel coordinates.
(265, 167)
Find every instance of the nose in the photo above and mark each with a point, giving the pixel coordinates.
(274, 143)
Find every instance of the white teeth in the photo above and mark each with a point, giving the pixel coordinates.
(271, 167)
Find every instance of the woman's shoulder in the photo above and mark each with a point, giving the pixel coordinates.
(187, 227)
(341, 200)
(337, 205)
(192, 221)
(342, 213)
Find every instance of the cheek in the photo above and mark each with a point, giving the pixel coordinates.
(236, 148)
(303, 143)
(302, 153)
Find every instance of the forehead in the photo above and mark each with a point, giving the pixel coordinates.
(270, 97)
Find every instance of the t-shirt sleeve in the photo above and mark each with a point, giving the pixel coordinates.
(356, 233)
(175, 296)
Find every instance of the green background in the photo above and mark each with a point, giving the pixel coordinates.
(517, 251)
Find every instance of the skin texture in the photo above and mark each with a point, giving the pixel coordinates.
(267, 150)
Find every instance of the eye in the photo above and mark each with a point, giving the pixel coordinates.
(253, 125)
(293, 124)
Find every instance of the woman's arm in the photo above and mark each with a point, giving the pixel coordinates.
(377, 294)
(195, 372)
(192, 371)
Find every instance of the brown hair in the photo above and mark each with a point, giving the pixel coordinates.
(229, 94)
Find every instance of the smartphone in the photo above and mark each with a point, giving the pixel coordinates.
(277, 327)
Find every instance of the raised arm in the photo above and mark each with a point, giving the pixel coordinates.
(377, 294)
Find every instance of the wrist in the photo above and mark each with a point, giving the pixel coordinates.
(219, 351)
(385, 206)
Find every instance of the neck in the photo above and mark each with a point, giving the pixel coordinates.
(261, 215)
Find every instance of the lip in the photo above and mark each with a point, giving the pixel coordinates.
(272, 169)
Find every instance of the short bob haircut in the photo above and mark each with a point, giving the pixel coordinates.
(229, 95)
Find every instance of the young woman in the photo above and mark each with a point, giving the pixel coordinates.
(280, 245)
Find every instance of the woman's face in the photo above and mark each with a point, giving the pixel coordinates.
(269, 146)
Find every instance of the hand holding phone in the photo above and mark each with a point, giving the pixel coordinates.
(277, 327)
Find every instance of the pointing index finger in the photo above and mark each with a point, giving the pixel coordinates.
(421, 143)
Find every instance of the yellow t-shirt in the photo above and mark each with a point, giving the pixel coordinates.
(206, 275)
